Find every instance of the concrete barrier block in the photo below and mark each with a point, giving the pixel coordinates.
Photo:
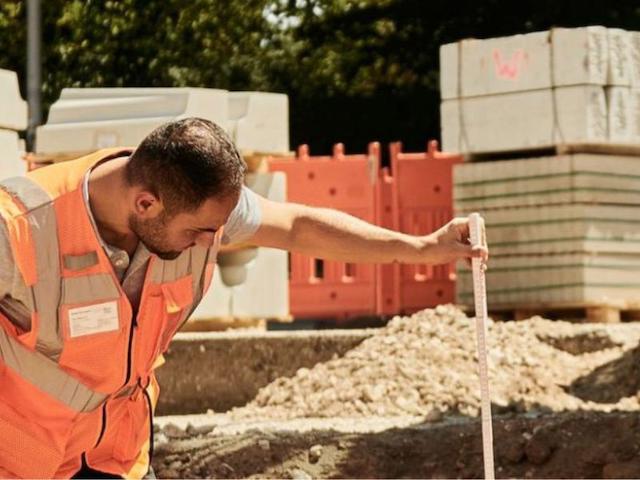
(11, 151)
(85, 119)
(14, 112)
(259, 121)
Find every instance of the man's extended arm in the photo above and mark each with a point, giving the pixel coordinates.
(335, 235)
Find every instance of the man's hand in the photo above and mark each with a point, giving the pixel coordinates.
(451, 242)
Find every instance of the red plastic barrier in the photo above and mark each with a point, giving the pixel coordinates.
(420, 192)
(321, 288)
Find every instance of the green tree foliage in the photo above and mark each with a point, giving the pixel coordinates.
(355, 70)
(132, 43)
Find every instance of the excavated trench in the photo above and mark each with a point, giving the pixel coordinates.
(402, 402)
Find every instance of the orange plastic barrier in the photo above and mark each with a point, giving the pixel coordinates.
(320, 288)
(419, 193)
(413, 196)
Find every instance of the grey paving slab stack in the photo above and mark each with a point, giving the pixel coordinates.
(564, 229)
(13, 119)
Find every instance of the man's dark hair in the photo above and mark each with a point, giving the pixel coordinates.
(186, 162)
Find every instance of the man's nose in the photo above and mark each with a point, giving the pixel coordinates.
(205, 239)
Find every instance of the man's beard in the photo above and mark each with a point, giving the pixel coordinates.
(151, 233)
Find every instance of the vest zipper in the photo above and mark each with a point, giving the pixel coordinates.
(104, 423)
(134, 324)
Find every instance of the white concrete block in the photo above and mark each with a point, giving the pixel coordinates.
(524, 120)
(580, 55)
(619, 120)
(13, 110)
(92, 104)
(259, 121)
(265, 294)
(538, 60)
(90, 118)
(620, 57)
(88, 136)
(11, 151)
(634, 114)
(449, 68)
(635, 58)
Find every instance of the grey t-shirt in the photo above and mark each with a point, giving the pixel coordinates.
(241, 225)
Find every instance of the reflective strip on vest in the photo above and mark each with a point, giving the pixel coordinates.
(90, 288)
(44, 233)
(38, 230)
(80, 262)
(19, 235)
(199, 284)
(169, 271)
(45, 374)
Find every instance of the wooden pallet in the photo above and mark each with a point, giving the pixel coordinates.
(629, 149)
(592, 313)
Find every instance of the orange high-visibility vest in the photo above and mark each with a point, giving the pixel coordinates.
(79, 385)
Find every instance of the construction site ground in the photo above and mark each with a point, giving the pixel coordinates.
(403, 402)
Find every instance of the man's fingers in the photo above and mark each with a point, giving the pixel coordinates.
(480, 251)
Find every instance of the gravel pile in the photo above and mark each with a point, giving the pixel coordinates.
(426, 365)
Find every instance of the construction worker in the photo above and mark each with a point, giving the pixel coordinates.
(106, 256)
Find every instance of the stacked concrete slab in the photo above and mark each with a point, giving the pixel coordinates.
(13, 118)
(85, 119)
(564, 230)
(536, 90)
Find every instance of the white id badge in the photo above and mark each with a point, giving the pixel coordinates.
(102, 317)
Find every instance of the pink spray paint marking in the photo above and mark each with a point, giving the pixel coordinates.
(511, 69)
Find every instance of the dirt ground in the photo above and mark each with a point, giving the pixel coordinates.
(569, 445)
(404, 403)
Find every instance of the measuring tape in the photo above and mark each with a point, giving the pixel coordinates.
(477, 237)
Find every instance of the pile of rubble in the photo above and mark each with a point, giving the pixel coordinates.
(426, 365)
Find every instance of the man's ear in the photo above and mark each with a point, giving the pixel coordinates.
(147, 205)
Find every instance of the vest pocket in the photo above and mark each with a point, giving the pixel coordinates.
(178, 298)
(95, 343)
(131, 429)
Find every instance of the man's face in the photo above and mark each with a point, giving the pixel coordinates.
(167, 236)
